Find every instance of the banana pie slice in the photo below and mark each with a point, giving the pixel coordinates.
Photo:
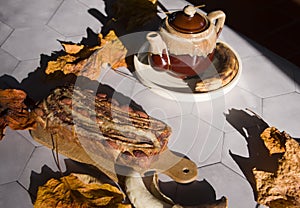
(107, 130)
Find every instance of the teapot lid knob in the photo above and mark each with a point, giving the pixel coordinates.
(187, 20)
(190, 10)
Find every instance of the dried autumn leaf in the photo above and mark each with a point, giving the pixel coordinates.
(112, 51)
(83, 60)
(273, 140)
(72, 48)
(282, 188)
(79, 191)
(74, 59)
(13, 111)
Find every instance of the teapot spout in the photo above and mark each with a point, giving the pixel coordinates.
(158, 52)
(157, 45)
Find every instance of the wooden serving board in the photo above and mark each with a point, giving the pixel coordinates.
(178, 168)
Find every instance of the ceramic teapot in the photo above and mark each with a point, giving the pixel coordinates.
(184, 45)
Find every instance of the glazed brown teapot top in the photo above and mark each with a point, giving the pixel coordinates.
(187, 33)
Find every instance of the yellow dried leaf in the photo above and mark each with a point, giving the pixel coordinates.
(113, 52)
(86, 61)
(72, 48)
(153, 1)
(78, 191)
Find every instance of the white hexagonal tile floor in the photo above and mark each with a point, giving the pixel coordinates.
(24, 68)
(280, 109)
(14, 195)
(95, 4)
(15, 151)
(234, 143)
(267, 76)
(26, 135)
(8, 62)
(76, 14)
(229, 184)
(195, 138)
(5, 31)
(42, 156)
(27, 13)
(242, 46)
(167, 108)
(30, 43)
(214, 111)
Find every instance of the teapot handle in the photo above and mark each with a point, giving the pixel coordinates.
(219, 17)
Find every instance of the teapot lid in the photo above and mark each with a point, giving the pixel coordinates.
(188, 20)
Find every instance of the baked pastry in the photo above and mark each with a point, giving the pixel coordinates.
(108, 130)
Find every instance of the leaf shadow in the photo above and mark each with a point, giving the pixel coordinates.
(251, 127)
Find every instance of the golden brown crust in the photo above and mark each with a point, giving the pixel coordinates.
(101, 124)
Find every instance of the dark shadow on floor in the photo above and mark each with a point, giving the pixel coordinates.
(131, 20)
(192, 194)
(271, 23)
(250, 127)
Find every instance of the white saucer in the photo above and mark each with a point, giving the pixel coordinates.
(173, 88)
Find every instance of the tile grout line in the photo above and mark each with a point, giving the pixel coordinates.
(262, 107)
(243, 176)
(23, 169)
(82, 3)
(223, 143)
(54, 13)
(211, 124)
(208, 165)
(7, 183)
(11, 54)
(18, 182)
(53, 29)
(13, 29)
(13, 71)
(281, 94)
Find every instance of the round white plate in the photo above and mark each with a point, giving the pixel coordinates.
(173, 88)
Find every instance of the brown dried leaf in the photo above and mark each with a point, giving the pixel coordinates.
(87, 61)
(79, 191)
(13, 111)
(280, 189)
(12, 99)
(273, 140)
